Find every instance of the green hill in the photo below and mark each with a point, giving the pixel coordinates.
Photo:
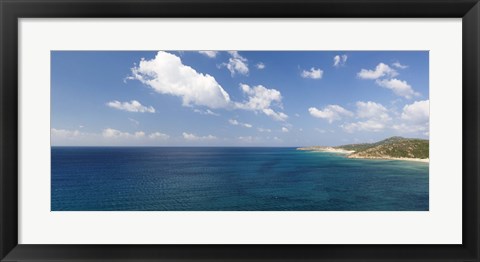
(393, 147)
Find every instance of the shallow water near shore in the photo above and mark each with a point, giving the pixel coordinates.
(231, 179)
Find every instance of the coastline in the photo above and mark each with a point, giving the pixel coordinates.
(326, 149)
(349, 154)
(422, 160)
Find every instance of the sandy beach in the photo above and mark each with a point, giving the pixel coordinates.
(423, 160)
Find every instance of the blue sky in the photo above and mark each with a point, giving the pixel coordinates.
(237, 98)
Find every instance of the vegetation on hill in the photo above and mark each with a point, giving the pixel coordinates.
(393, 147)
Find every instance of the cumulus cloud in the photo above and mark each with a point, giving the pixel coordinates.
(107, 136)
(260, 66)
(372, 110)
(400, 66)
(285, 130)
(261, 99)
(114, 133)
(278, 116)
(70, 137)
(415, 118)
(237, 123)
(206, 112)
(399, 87)
(417, 112)
(117, 134)
(65, 133)
(409, 128)
(233, 122)
(375, 115)
(193, 137)
(339, 60)
(248, 139)
(211, 54)
(158, 136)
(312, 73)
(132, 106)
(237, 64)
(330, 112)
(381, 70)
(368, 125)
(166, 74)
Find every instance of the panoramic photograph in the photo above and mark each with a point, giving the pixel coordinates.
(239, 130)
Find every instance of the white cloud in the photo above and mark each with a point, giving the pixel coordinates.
(417, 112)
(372, 110)
(236, 123)
(193, 137)
(399, 87)
(264, 130)
(261, 99)
(330, 112)
(413, 119)
(233, 122)
(368, 125)
(134, 122)
(71, 137)
(211, 54)
(113, 133)
(166, 74)
(132, 106)
(260, 66)
(64, 133)
(279, 116)
(409, 128)
(285, 130)
(107, 136)
(376, 115)
(276, 139)
(339, 60)
(398, 65)
(312, 73)
(248, 139)
(158, 136)
(206, 112)
(237, 64)
(380, 71)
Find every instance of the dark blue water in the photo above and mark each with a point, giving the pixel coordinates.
(201, 179)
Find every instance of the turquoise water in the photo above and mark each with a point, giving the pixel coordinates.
(231, 179)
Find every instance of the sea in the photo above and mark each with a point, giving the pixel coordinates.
(231, 179)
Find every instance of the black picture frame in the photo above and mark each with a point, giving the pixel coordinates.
(12, 10)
